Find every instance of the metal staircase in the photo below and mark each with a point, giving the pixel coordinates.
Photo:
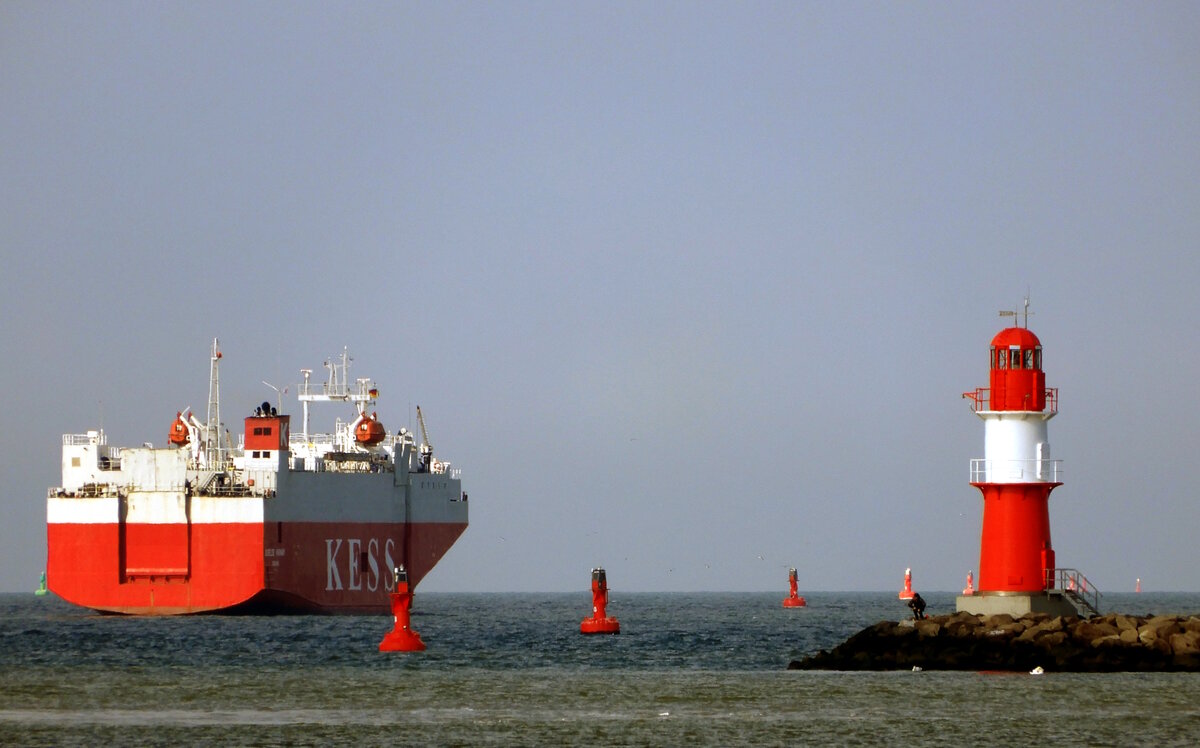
(1075, 587)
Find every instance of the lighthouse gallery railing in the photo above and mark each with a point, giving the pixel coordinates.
(981, 399)
(1016, 471)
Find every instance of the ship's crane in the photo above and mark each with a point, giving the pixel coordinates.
(426, 446)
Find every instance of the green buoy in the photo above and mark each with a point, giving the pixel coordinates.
(41, 590)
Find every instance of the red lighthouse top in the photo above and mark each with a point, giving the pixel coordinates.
(1016, 377)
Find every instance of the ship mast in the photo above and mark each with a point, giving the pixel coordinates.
(336, 389)
(213, 451)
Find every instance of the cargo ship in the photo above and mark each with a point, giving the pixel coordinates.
(279, 522)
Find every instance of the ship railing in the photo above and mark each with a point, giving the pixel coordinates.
(86, 491)
(1016, 471)
(236, 489)
(981, 399)
(203, 488)
(323, 389)
(444, 468)
(300, 440)
(80, 440)
(1076, 587)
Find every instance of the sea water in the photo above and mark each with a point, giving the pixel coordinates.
(687, 669)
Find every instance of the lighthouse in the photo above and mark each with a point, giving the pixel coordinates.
(1015, 477)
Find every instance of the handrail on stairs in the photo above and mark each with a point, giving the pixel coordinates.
(1076, 587)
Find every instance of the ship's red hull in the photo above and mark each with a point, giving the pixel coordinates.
(278, 567)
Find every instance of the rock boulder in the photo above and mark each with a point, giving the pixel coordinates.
(963, 641)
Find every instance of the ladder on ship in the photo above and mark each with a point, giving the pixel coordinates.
(1073, 585)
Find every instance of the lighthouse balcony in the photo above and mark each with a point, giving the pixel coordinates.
(981, 400)
(1016, 471)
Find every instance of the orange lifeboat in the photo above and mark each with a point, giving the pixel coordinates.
(179, 435)
(369, 431)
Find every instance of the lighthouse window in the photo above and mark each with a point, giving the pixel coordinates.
(1014, 361)
(1037, 359)
(1001, 359)
(1029, 359)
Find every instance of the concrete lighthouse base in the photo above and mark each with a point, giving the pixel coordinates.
(1016, 604)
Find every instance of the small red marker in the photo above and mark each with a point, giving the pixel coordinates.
(907, 593)
(401, 638)
(793, 600)
(599, 623)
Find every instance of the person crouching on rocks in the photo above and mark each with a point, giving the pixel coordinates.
(917, 604)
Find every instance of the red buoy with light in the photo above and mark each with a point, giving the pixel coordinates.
(907, 593)
(599, 623)
(401, 638)
(793, 600)
(970, 588)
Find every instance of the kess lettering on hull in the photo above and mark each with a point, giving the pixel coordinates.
(360, 561)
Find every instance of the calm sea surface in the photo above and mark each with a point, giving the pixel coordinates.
(694, 669)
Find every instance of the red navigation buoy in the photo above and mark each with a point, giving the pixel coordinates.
(599, 623)
(907, 593)
(793, 600)
(401, 638)
(970, 588)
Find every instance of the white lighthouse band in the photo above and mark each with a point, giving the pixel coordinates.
(1016, 448)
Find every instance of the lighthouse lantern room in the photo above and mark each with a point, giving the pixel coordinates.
(1017, 572)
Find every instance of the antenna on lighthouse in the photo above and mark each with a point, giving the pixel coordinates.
(1016, 315)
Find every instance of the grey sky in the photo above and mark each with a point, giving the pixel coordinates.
(690, 290)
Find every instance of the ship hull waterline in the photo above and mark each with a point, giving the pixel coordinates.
(249, 567)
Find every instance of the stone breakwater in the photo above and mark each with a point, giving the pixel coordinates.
(963, 641)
